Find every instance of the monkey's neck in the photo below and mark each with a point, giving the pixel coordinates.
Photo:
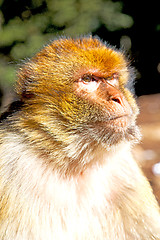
(69, 151)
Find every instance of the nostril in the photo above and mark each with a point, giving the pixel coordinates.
(116, 100)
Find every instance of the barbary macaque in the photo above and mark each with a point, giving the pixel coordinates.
(66, 168)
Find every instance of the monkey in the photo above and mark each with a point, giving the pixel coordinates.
(66, 164)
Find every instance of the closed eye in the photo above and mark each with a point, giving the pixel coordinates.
(89, 82)
(87, 78)
(113, 80)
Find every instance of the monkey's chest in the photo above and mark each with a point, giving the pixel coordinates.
(70, 219)
(67, 210)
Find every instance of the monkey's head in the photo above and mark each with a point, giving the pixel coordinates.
(78, 87)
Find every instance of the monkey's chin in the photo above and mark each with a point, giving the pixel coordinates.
(115, 130)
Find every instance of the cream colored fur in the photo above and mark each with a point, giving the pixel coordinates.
(99, 204)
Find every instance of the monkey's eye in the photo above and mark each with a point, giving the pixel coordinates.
(113, 80)
(89, 78)
(89, 82)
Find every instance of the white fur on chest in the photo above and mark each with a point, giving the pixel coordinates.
(51, 207)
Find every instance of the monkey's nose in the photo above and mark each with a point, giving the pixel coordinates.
(119, 103)
(116, 99)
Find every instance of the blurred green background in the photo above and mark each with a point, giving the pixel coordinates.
(26, 25)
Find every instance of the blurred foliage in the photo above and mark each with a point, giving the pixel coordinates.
(158, 27)
(26, 25)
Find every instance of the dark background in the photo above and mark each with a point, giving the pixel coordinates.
(26, 25)
(145, 43)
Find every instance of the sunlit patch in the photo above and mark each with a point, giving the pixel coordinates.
(156, 169)
(89, 83)
(89, 86)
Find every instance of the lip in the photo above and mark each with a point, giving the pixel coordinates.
(121, 122)
(117, 124)
(121, 116)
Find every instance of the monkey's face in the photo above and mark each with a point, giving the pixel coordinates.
(111, 117)
(81, 85)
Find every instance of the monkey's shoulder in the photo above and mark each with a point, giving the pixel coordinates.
(14, 107)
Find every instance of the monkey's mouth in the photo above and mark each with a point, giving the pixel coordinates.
(119, 122)
(113, 125)
(115, 129)
(111, 130)
(120, 117)
(117, 117)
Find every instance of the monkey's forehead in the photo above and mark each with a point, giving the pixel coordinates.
(90, 52)
(66, 60)
(78, 56)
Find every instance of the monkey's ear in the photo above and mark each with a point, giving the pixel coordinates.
(25, 82)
